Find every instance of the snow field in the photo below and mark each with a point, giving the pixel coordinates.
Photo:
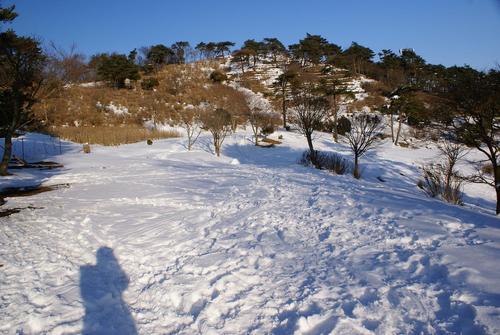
(248, 243)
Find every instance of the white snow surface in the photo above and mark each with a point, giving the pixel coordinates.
(158, 240)
(115, 109)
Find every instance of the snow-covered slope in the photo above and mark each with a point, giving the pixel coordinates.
(157, 240)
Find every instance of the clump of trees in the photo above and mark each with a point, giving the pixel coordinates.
(115, 69)
(213, 50)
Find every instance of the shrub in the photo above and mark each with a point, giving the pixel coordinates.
(329, 161)
(149, 83)
(267, 130)
(218, 76)
(438, 183)
(343, 126)
(488, 169)
(86, 148)
(115, 69)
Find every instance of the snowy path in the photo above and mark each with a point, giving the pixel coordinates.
(264, 246)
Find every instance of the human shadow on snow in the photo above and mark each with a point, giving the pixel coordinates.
(101, 288)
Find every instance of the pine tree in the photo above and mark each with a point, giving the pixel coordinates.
(358, 56)
(282, 87)
(21, 76)
(274, 47)
(335, 86)
(115, 68)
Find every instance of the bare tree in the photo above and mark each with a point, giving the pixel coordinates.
(67, 65)
(362, 136)
(190, 119)
(452, 153)
(231, 100)
(260, 120)
(309, 110)
(442, 179)
(218, 123)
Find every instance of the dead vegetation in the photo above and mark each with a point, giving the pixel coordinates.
(106, 135)
(94, 105)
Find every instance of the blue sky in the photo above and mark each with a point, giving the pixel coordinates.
(442, 31)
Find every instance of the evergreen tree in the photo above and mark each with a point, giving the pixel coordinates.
(274, 47)
(222, 47)
(21, 75)
(392, 67)
(132, 56)
(313, 49)
(255, 48)
(202, 49)
(413, 65)
(242, 58)
(475, 96)
(159, 55)
(115, 68)
(7, 15)
(335, 86)
(282, 87)
(358, 56)
(179, 50)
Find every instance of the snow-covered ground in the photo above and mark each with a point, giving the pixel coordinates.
(158, 240)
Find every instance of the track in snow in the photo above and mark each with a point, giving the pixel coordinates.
(200, 245)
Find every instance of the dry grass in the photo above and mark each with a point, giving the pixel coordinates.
(179, 84)
(270, 141)
(110, 135)
(248, 80)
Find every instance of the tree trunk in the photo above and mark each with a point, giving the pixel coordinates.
(335, 122)
(312, 153)
(310, 143)
(392, 126)
(399, 128)
(190, 138)
(497, 190)
(255, 130)
(356, 167)
(496, 172)
(217, 149)
(7, 151)
(283, 108)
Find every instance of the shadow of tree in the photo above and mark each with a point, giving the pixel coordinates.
(101, 288)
